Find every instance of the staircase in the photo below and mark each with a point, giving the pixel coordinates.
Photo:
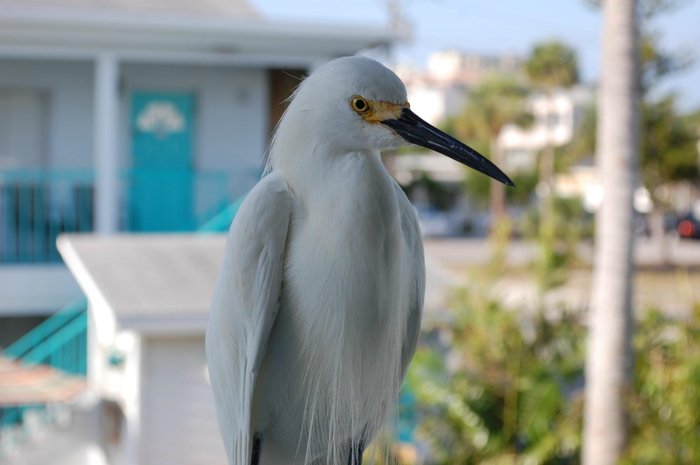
(60, 342)
(41, 371)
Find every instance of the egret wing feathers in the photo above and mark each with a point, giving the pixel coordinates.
(244, 308)
(412, 235)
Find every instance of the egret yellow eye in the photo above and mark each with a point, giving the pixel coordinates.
(359, 104)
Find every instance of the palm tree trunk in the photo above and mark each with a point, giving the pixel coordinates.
(608, 365)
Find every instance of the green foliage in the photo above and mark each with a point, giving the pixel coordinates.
(526, 182)
(439, 195)
(668, 140)
(382, 451)
(665, 405)
(557, 236)
(552, 64)
(658, 63)
(498, 101)
(498, 248)
(668, 143)
(692, 119)
(476, 186)
(648, 8)
(651, 8)
(669, 151)
(509, 391)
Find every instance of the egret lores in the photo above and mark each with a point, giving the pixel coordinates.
(318, 304)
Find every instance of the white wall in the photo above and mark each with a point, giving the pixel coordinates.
(36, 289)
(178, 420)
(68, 86)
(23, 128)
(428, 102)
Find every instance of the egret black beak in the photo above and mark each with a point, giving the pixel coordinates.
(415, 130)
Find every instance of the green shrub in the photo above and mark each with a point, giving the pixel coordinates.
(507, 388)
(664, 407)
(503, 393)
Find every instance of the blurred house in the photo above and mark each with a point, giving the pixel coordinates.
(149, 300)
(556, 117)
(437, 93)
(440, 91)
(130, 116)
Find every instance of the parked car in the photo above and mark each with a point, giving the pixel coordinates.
(688, 227)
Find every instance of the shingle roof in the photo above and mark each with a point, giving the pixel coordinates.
(238, 9)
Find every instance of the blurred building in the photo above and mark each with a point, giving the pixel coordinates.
(470, 69)
(146, 359)
(130, 116)
(556, 117)
(440, 91)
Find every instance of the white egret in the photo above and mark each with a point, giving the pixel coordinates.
(318, 304)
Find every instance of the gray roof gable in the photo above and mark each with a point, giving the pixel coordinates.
(148, 282)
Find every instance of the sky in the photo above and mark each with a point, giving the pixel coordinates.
(499, 26)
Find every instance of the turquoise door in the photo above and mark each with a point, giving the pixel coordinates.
(161, 181)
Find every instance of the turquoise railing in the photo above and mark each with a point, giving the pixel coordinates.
(38, 205)
(60, 342)
(56, 332)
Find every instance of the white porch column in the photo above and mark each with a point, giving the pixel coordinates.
(106, 154)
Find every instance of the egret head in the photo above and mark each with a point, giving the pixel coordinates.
(357, 104)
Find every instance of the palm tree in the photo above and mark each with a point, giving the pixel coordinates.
(493, 104)
(609, 349)
(552, 64)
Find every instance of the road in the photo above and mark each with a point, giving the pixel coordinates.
(454, 263)
(465, 252)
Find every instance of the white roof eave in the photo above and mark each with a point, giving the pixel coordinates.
(129, 34)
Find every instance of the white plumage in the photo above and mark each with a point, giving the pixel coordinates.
(317, 308)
